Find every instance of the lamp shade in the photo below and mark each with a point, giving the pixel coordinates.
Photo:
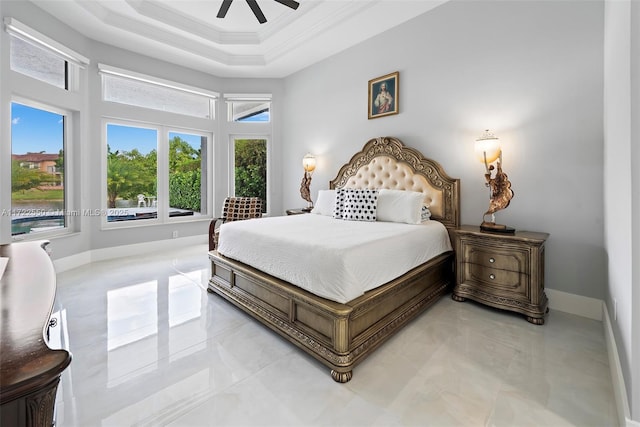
(309, 163)
(488, 144)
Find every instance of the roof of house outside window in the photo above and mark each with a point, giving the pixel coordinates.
(35, 157)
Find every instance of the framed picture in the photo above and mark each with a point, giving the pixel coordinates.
(384, 95)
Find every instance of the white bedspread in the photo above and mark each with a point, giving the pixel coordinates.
(335, 259)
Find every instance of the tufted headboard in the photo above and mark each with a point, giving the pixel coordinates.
(386, 162)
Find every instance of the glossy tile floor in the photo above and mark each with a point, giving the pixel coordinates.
(151, 347)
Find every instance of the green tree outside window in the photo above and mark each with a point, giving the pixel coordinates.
(251, 169)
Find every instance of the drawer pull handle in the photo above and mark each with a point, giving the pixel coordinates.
(492, 260)
(492, 276)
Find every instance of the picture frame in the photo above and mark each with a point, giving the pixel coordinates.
(384, 95)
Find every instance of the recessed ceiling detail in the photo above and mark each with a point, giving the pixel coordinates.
(253, 4)
(187, 33)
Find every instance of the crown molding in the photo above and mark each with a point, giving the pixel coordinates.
(305, 33)
(167, 38)
(189, 34)
(175, 18)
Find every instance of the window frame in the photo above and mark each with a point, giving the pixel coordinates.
(232, 167)
(69, 102)
(162, 174)
(70, 210)
(230, 98)
(75, 62)
(105, 224)
(109, 71)
(208, 156)
(164, 122)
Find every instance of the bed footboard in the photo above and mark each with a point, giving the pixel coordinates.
(337, 335)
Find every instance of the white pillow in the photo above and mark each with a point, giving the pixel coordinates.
(325, 203)
(400, 206)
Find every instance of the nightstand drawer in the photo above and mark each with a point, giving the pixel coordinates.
(496, 258)
(498, 282)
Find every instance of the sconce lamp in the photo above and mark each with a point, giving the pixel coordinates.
(309, 165)
(488, 149)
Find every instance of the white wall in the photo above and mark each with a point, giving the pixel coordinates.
(617, 179)
(622, 187)
(635, 194)
(530, 71)
(635, 203)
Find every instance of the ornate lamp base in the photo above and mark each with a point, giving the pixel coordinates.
(496, 228)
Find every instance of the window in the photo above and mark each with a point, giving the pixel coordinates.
(127, 87)
(249, 108)
(39, 63)
(250, 120)
(187, 174)
(241, 111)
(132, 170)
(44, 121)
(37, 170)
(154, 172)
(250, 168)
(141, 185)
(36, 55)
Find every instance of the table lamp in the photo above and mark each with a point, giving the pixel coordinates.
(488, 150)
(309, 165)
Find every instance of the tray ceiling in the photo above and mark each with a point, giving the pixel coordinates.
(187, 32)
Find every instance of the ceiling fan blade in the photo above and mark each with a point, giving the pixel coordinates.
(290, 3)
(253, 4)
(224, 8)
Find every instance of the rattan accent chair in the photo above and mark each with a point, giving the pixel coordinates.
(235, 209)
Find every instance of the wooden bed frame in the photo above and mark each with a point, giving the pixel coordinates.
(342, 335)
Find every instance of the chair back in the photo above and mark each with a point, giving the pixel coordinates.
(239, 208)
(234, 209)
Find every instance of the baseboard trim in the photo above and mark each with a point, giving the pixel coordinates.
(619, 389)
(77, 260)
(575, 304)
(71, 262)
(596, 309)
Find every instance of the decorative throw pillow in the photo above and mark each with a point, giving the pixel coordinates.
(425, 213)
(356, 205)
(325, 203)
(400, 206)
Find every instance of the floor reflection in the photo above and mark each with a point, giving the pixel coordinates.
(128, 326)
(132, 314)
(151, 347)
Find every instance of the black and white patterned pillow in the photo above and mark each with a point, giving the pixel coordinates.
(356, 205)
(425, 213)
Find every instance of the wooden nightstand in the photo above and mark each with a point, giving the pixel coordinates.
(501, 270)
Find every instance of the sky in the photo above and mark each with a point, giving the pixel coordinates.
(34, 130)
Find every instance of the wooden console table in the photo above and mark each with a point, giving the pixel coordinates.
(29, 369)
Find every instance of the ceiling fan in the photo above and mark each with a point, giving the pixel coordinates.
(253, 4)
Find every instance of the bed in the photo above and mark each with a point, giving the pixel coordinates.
(340, 331)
